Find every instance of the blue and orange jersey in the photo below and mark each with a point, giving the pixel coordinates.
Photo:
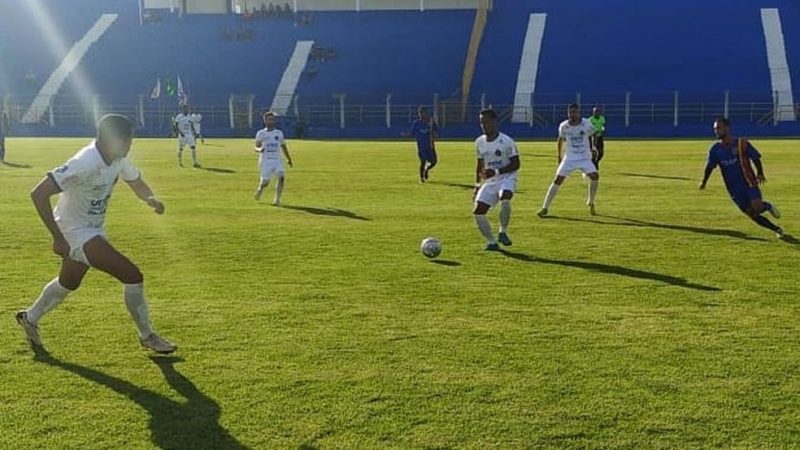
(735, 163)
(424, 132)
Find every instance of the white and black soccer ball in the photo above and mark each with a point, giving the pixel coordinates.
(431, 247)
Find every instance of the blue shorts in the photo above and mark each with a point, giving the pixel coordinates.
(427, 156)
(744, 196)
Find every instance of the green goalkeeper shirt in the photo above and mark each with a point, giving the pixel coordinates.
(599, 124)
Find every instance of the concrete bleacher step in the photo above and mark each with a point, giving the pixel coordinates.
(528, 68)
(291, 76)
(778, 65)
(72, 59)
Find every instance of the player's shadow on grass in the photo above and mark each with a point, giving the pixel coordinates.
(658, 177)
(332, 212)
(789, 239)
(627, 222)
(193, 423)
(16, 165)
(464, 186)
(218, 170)
(613, 270)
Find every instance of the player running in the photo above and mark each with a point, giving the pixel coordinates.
(425, 130)
(85, 183)
(498, 163)
(598, 121)
(576, 132)
(268, 141)
(197, 118)
(183, 126)
(734, 157)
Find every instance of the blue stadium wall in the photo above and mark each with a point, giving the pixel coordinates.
(601, 50)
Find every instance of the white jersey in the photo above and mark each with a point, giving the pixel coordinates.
(184, 123)
(497, 154)
(86, 182)
(577, 138)
(270, 142)
(196, 118)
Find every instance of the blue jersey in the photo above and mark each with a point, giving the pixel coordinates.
(734, 163)
(421, 130)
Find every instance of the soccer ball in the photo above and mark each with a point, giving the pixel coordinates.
(431, 247)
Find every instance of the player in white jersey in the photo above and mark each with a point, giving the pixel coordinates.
(498, 163)
(197, 118)
(576, 132)
(184, 128)
(85, 183)
(269, 145)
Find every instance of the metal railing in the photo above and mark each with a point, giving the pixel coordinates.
(242, 112)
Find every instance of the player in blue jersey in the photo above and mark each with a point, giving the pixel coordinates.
(736, 158)
(425, 130)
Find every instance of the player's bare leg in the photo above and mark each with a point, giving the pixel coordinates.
(278, 190)
(194, 156)
(260, 189)
(594, 182)
(103, 256)
(505, 217)
(430, 165)
(484, 226)
(754, 211)
(68, 280)
(422, 164)
(551, 195)
(180, 156)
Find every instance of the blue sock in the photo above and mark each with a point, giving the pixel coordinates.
(767, 206)
(764, 222)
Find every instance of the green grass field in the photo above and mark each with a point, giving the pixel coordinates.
(668, 321)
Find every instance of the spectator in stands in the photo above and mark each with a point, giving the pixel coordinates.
(598, 121)
(3, 133)
(287, 10)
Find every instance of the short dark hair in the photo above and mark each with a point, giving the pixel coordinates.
(114, 126)
(723, 120)
(490, 113)
(574, 106)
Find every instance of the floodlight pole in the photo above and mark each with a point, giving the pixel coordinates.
(483, 101)
(675, 112)
(230, 112)
(727, 104)
(250, 99)
(141, 110)
(52, 115)
(388, 110)
(342, 122)
(627, 110)
(775, 109)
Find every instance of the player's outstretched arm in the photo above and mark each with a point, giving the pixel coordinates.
(41, 200)
(709, 169)
(560, 147)
(145, 194)
(285, 150)
(759, 171)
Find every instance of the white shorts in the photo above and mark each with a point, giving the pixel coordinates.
(490, 192)
(77, 238)
(268, 170)
(187, 139)
(568, 166)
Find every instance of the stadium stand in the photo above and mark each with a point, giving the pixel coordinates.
(653, 80)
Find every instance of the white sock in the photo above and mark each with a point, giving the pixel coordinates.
(505, 215)
(485, 228)
(551, 194)
(278, 189)
(593, 184)
(52, 294)
(137, 307)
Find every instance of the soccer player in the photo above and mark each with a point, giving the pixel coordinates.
(184, 128)
(425, 130)
(196, 119)
(734, 157)
(576, 132)
(85, 183)
(498, 163)
(269, 141)
(3, 133)
(598, 121)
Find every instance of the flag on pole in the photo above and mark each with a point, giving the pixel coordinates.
(182, 97)
(156, 93)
